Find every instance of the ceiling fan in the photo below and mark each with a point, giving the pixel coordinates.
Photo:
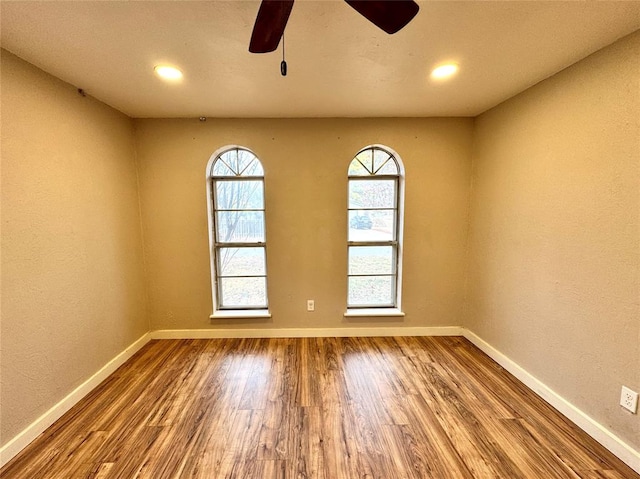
(389, 15)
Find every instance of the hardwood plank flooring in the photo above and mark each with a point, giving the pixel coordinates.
(325, 408)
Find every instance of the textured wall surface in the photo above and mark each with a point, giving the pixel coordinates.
(72, 274)
(305, 164)
(555, 236)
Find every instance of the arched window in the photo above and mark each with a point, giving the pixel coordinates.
(237, 236)
(375, 233)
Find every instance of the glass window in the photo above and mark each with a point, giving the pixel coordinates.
(373, 239)
(237, 221)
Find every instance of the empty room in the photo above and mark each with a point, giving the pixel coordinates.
(320, 239)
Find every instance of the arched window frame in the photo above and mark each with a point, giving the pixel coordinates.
(221, 168)
(377, 169)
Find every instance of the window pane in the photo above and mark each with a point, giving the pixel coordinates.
(243, 292)
(231, 159)
(248, 164)
(372, 194)
(240, 226)
(371, 260)
(371, 290)
(220, 168)
(239, 195)
(380, 158)
(389, 168)
(372, 225)
(366, 158)
(356, 169)
(241, 261)
(253, 169)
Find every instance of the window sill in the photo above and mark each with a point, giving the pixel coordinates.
(241, 314)
(377, 312)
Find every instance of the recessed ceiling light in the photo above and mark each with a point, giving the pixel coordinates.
(446, 70)
(168, 73)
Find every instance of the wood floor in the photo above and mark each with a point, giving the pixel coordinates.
(331, 408)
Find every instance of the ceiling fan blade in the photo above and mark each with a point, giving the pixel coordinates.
(270, 23)
(389, 15)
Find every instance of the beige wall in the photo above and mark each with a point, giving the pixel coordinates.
(72, 275)
(305, 165)
(555, 236)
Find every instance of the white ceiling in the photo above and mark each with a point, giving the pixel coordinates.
(339, 64)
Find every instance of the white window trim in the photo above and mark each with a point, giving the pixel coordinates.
(240, 314)
(373, 312)
(397, 310)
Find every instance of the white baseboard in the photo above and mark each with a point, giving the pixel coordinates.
(304, 332)
(613, 443)
(19, 442)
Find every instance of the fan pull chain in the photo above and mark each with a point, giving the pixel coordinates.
(283, 63)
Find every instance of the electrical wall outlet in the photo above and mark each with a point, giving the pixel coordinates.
(311, 305)
(629, 399)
